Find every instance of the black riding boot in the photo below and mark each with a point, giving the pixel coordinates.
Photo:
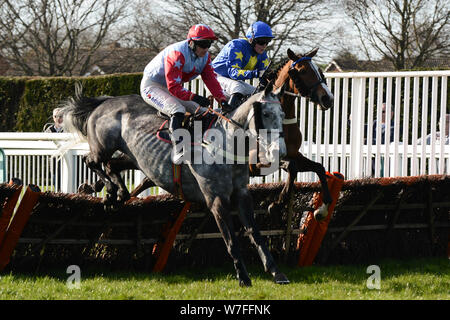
(235, 100)
(176, 122)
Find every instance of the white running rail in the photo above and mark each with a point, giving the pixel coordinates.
(342, 139)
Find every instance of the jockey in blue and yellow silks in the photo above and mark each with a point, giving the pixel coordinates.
(242, 59)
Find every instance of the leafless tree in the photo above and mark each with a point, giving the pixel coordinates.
(153, 27)
(293, 22)
(405, 32)
(55, 37)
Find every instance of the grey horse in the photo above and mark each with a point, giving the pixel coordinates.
(127, 124)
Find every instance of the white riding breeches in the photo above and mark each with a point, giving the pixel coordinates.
(231, 86)
(159, 97)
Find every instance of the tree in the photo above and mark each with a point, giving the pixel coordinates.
(293, 22)
(405, 32)
(56, 37)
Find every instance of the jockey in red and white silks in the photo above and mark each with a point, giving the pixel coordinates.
(163, 79)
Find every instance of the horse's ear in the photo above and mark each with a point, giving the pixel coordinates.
(292, 55)
(312, 53)
(268, 88)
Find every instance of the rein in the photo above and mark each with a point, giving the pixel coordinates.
(250, 115)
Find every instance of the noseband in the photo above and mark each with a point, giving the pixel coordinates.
(255, 112)
(312, 89)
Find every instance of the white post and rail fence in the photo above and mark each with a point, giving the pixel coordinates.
(343, 138)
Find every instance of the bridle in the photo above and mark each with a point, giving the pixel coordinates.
(311, 89)
(250, 115)
(253, 114)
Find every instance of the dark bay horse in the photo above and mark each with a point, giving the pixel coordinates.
(127, 124)
(301, 78)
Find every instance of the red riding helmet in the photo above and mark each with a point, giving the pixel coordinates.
(201, 32)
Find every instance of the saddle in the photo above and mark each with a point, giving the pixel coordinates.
(207, 120)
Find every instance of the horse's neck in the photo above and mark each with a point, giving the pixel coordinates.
(242, 113)
(288, 101)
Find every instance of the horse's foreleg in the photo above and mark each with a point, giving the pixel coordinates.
(220, 209)
(245, 208)
(304, 164)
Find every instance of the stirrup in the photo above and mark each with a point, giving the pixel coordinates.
(177, 155)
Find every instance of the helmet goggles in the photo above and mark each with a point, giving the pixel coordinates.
(263, 41)
(204, 44)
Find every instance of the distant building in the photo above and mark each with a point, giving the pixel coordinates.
(106, 60)
(115, 59)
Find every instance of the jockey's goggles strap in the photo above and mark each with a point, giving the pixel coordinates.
(300, 60)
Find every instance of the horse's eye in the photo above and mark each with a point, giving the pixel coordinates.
(302, 69)
(266, 114)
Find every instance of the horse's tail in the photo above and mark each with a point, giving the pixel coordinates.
(77, 110)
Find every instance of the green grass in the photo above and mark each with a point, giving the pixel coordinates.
(408, 280)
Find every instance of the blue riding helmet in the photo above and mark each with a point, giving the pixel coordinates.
(259, 29)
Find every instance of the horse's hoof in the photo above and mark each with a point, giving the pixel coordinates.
(274, 208)
(85, 189)
(245, 283)
(111, 207)
(280, 278)
(122, 198)
(321, 213)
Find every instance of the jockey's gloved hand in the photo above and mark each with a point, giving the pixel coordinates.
(225, 106)
(258, 73)
(202, 101)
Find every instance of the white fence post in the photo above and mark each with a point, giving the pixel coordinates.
(357, 108)
(67, 172)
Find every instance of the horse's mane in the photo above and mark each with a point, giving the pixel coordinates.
(78, 108)
(281, 65)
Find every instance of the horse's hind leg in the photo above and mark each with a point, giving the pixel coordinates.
(92, 162)
(113, 169)
(220, 208)
(86, 188)
(145, 184)
(117, 165)
(245, 208)
(275, 207)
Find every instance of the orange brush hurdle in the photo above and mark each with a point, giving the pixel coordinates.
(8, 209)
(309, 242)
(20, 219)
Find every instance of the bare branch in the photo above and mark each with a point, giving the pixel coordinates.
(55, 37)
(405, 32)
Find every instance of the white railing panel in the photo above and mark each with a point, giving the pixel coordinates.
(343, 139)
